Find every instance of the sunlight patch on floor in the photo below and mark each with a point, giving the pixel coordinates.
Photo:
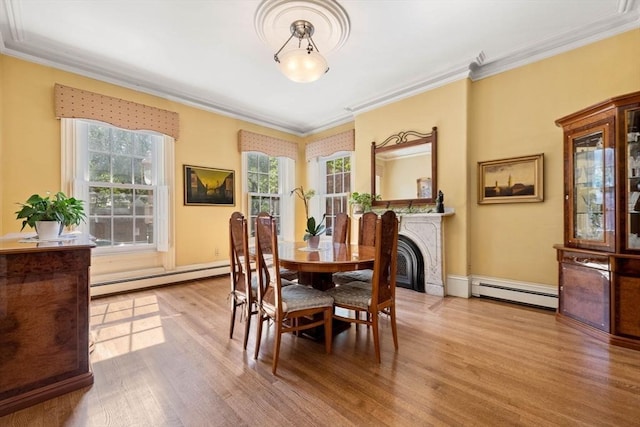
(125, 326)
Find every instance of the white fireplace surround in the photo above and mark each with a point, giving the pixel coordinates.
(426, 230)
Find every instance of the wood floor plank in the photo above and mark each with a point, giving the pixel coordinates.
(163, 358)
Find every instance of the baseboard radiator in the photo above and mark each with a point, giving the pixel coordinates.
(517, 292)
(118, 285)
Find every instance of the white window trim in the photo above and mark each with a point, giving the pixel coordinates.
(315, 176)
(287, 179)
(108, 265)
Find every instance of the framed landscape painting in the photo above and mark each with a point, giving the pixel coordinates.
(517, 179)
(208, 186)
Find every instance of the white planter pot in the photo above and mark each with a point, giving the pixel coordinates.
(48, 230)
(313, 242)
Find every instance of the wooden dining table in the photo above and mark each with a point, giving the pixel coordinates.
(315, 267)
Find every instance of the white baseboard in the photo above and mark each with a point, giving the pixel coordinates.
(458, 286)
(106, 285)
(520, 292)
(508, 290)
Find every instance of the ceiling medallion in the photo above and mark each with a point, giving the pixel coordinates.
(326, 21)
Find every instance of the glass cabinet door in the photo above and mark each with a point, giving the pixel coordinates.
(632, 137)
(593, 208)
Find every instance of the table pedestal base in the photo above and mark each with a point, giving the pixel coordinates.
(320, 281)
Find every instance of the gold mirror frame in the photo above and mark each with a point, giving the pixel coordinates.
(402, 140)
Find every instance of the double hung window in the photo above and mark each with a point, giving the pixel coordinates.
(334, 185)
(119, 173)
(266, 180)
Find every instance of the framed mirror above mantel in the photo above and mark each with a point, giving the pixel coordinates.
(403, 169)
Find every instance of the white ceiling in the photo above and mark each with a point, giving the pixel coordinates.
(207, 53)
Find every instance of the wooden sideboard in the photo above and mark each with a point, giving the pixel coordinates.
(44, 320)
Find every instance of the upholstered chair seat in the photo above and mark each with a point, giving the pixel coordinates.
(354, 294)
(299, 297)
(353, 276)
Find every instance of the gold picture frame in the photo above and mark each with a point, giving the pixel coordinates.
(512, 180)
(208, 186)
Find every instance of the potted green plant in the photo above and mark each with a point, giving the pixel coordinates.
(362, 202)
(313, 230)
(60, 210)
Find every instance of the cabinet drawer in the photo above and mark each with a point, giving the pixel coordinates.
(585, 295)
(600, 262)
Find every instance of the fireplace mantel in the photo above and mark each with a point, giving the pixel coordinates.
(426, 230)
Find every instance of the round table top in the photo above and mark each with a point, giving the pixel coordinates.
(327, 258)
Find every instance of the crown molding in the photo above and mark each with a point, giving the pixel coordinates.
(628, 18)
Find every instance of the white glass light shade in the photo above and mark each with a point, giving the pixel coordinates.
(302, 67)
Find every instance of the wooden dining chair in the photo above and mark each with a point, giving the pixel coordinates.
(242, 295)
(292, 308)
(341, 232)
(367, 229)
(366, 237)
(379, 297)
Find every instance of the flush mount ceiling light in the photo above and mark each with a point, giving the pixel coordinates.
(302, 61)
(302, 64)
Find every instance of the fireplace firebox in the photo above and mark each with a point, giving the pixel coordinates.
(410, 266)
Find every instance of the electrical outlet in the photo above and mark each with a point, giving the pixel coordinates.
(217, 252)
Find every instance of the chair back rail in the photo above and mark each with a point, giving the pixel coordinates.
(342, 228)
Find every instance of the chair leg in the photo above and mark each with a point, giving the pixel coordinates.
(276, 346)
(394, 328)
(258, 334)
(247, 323)
(328, 325)
(376, 336)
(234, 306)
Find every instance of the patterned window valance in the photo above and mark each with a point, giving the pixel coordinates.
(344, 141)
(82, 104)
(249, 141)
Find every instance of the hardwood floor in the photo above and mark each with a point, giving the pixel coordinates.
(163, 358)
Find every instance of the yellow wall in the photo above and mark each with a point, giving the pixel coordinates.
(446, 108)
(30, 149)
(513, 114)
(509, 114)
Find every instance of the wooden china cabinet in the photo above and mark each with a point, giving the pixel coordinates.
(599, 262)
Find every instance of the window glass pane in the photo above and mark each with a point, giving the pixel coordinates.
(144, 203)
(330, 169)
(252, 162)
(274, 176)
(121, 142)
(98, 138)
(142, 144)
(143, 231)
(330, 184)
(100, 228)
(263, 164)
(338, 183)
(123, 202)
(100, 201)
(123, 230)
(99, 167)
(122, 169)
